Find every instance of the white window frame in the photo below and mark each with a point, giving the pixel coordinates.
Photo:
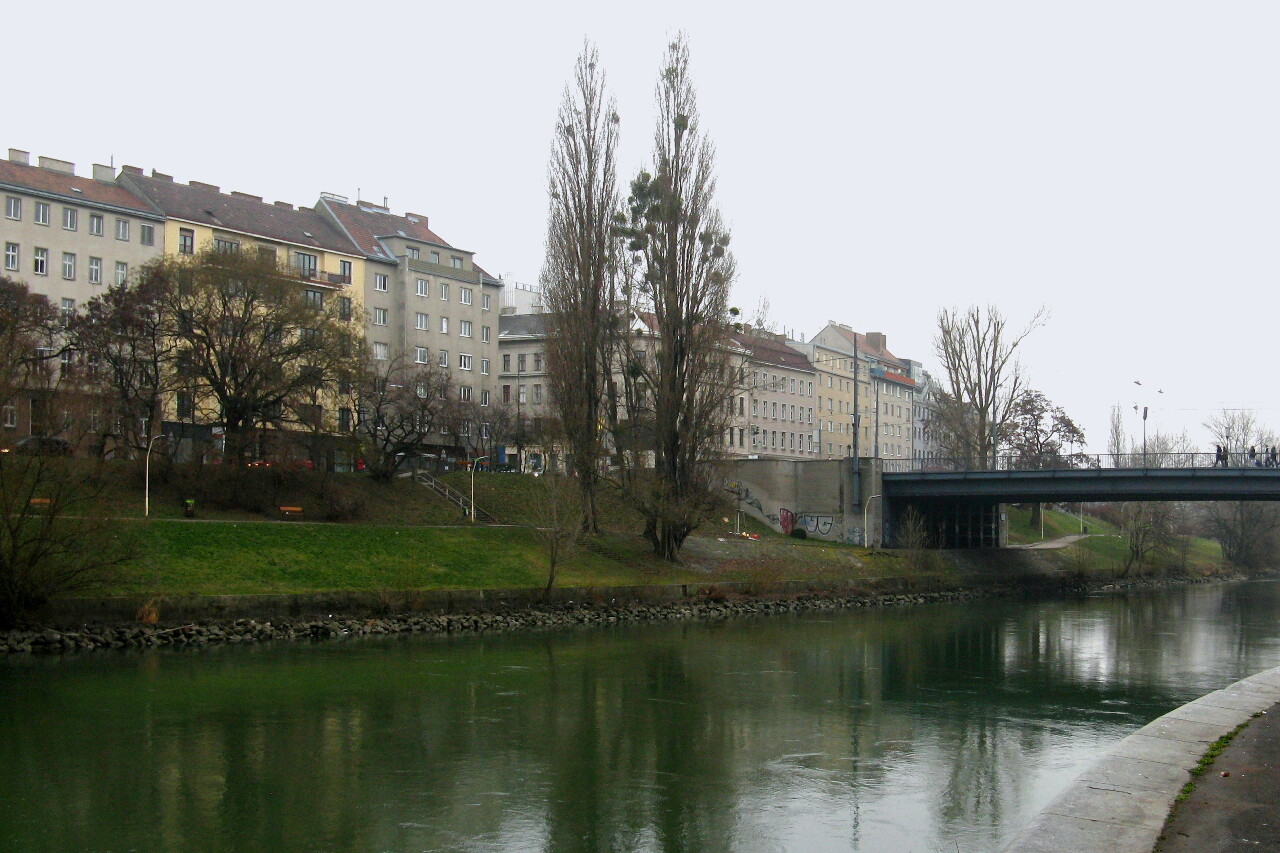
(70, 219)
(42, 213)
(484, 302)
(443, 358)
(435, 257)
(379, 316)
(69, 266)
(40, 262)
(146, 234)
(12, 257)
(13, 207)
(464, 361)
(484, 396)
(484, 366)
(95, 270)
(444, 291)
(466, 295)
(421, 355)
(423, 288)
(380, 282)
(11, 417)
(422, 322)
(484, 334)
(95, 224)
(122, 272)
(444, 325)
(380, 351)
(464, 328)
(122, 230)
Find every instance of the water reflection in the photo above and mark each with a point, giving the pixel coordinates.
(928, 729)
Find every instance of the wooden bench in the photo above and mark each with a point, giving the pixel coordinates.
(290, 510)
(40, 503)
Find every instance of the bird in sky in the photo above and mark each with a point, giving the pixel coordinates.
(1136, 382)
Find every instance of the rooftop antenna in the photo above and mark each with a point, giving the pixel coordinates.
(384, 202)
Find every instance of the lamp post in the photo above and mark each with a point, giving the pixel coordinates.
(146, 477)
(866, 534)
(473, 485)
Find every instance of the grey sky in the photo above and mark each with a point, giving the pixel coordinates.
(1114, 161)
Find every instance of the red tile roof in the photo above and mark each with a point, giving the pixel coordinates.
(767, 349)
(71, 187)
(207, 205)
(863, 345)
(366, 222)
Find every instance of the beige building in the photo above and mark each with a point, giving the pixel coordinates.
(883, 394)
(778, 399)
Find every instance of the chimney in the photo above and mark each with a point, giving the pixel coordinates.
(55, 165)
(203, 186)
(284, 204)
(876, 340)
(131, 170)
(161, 176)
(17, 155)
(246, 195)
(103, 173)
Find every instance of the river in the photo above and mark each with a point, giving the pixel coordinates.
(934, 728)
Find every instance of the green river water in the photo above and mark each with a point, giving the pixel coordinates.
(938, 728)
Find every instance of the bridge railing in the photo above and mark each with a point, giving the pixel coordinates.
(1085, 461)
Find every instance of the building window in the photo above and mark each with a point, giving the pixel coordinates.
(435, 257)
(464, 394)
(484, 366)
(522, 394)
(464, 328)
(537, 393)
(380, 282)
(70, 218)
(422, 288)
(484, 302)
(11, 417)
(420, 355)
(444, 291)
(379, 316)
(506, 364)
(344, 419)
(506, 393)
(443, 358)
(484, 334)
(466, 295)
(147, 234)
(537, 362)
(11, 256)
(380, 351)
(95, 270)
(484, 397)
(413, 252)
(344, 307)
(421, 321)
(40, 262)
(464, 361)
(444, 325)
(69, 266)
(122, 229)
(12, 207)
(520, 363)
(68, 306)
(42, 213)
(306, 264)
(122, 272)
(456, 262)
(220, 244)
(344, 271)
(186, 241)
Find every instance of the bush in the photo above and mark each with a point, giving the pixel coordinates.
(799, 533)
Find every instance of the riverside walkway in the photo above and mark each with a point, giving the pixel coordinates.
(1126, 801)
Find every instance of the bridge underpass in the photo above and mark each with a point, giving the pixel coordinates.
(961, 508)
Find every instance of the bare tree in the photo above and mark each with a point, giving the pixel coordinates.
(401, 403)
(983, 380)
(685, 273)
(1248, 531)
(260, 341)
(579, 275)
(558, 521)
(1037, 436)
(52, 538)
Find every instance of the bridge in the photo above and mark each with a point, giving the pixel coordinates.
(962, 501)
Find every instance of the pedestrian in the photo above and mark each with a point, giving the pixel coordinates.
(1274, 461)
(1218, 458)
(1253, 456)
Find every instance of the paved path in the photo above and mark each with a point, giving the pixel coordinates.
(1051, 544)
(1238, 811)
(1121, 803)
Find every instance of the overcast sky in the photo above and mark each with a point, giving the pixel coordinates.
(1117, 162)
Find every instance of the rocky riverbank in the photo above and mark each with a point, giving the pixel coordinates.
(564, 615)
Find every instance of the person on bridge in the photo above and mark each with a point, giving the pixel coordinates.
(1219, 456)
(1272, 456)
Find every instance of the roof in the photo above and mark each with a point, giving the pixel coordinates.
(767, 349)
(862, 344)
(522, 325)
(366, 223)
(73, 188)
(207, 205)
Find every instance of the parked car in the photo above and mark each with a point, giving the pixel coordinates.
(43, 445)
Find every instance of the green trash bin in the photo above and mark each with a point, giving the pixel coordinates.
(189, 507)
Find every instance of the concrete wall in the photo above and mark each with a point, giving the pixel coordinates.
(822, 496)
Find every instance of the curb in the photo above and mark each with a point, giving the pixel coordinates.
(1121, 802)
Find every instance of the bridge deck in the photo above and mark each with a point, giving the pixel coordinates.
(1088, 484)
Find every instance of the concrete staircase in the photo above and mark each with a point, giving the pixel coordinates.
(453, 496)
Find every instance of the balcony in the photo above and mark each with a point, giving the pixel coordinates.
(330, 278)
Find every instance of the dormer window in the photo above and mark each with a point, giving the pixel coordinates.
(413, 252)
(435, 257)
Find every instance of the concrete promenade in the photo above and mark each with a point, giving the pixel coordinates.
(1121, 803)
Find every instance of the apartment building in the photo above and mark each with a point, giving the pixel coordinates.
(926, 447)
(427, 301)
(778, 398)
(68, 238)
(833, 419)
(883, 393)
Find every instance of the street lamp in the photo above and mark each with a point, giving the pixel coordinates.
(146, 478)
(866, 534)
(473, 485)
